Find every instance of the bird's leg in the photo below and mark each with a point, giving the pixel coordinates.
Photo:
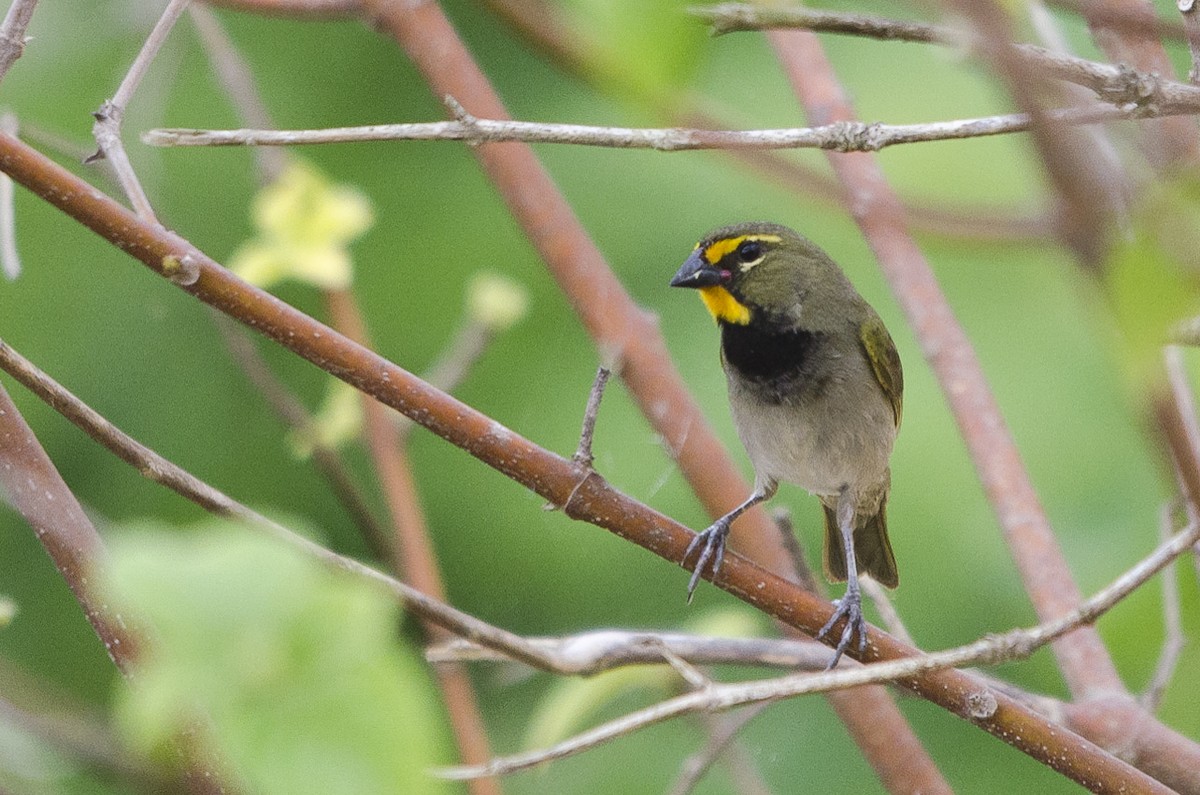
(850, 605)
(711, 542)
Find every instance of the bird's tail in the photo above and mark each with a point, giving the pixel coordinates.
(872, 550)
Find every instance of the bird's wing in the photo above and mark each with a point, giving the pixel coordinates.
(885, 361)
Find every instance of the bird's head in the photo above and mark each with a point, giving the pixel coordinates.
(762, 272)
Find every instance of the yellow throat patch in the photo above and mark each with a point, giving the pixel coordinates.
(723, 306)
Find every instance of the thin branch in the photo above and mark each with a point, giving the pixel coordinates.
(583, 453)
(235, 78)
(12, 33)
(550, 476)
(837, 137)
(1118, 85)
(1015, 644)
(591, 653)
(107, 129)
(548, 30)
(1173, 639)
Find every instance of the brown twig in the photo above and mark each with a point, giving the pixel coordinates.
(292, 412)
(552, 477)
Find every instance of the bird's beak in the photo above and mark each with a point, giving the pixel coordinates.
(698, 272)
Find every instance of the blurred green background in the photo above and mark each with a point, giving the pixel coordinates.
(150, 359)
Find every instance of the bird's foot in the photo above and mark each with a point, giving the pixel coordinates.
(849, 607)
(711, 543)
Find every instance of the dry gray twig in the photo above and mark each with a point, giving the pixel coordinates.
(107, 129)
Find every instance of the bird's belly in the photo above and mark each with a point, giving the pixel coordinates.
(820, 449)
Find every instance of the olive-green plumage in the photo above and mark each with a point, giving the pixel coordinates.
(815, 388)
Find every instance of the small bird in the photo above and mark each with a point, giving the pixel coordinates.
(815, 389)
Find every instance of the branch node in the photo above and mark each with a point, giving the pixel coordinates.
(472, 134)
(1143, 90)
(856, 136)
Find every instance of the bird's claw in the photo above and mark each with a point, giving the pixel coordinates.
(711, 543)
(849, 607)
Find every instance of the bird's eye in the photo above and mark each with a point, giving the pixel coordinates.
(750, 251)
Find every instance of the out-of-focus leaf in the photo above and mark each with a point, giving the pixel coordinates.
(496, 302)
(297, 669)
(641, 46)
(1153, 276)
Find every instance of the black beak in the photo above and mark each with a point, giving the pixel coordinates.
(697, 272)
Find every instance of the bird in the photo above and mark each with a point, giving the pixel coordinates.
(816, 393)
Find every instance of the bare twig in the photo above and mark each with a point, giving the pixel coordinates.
(12, 33)
(837, 137)
(1012, 645)
(590, 653)
(1173, 638)
(234, 75)
(583, 453)
(107, 129)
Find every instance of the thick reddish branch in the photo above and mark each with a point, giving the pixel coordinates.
(584, 494)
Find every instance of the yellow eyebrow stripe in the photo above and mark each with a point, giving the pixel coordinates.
(717, 249)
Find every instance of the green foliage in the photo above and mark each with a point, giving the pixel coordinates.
(296, 668)
(1153, 275)
(639, 48)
